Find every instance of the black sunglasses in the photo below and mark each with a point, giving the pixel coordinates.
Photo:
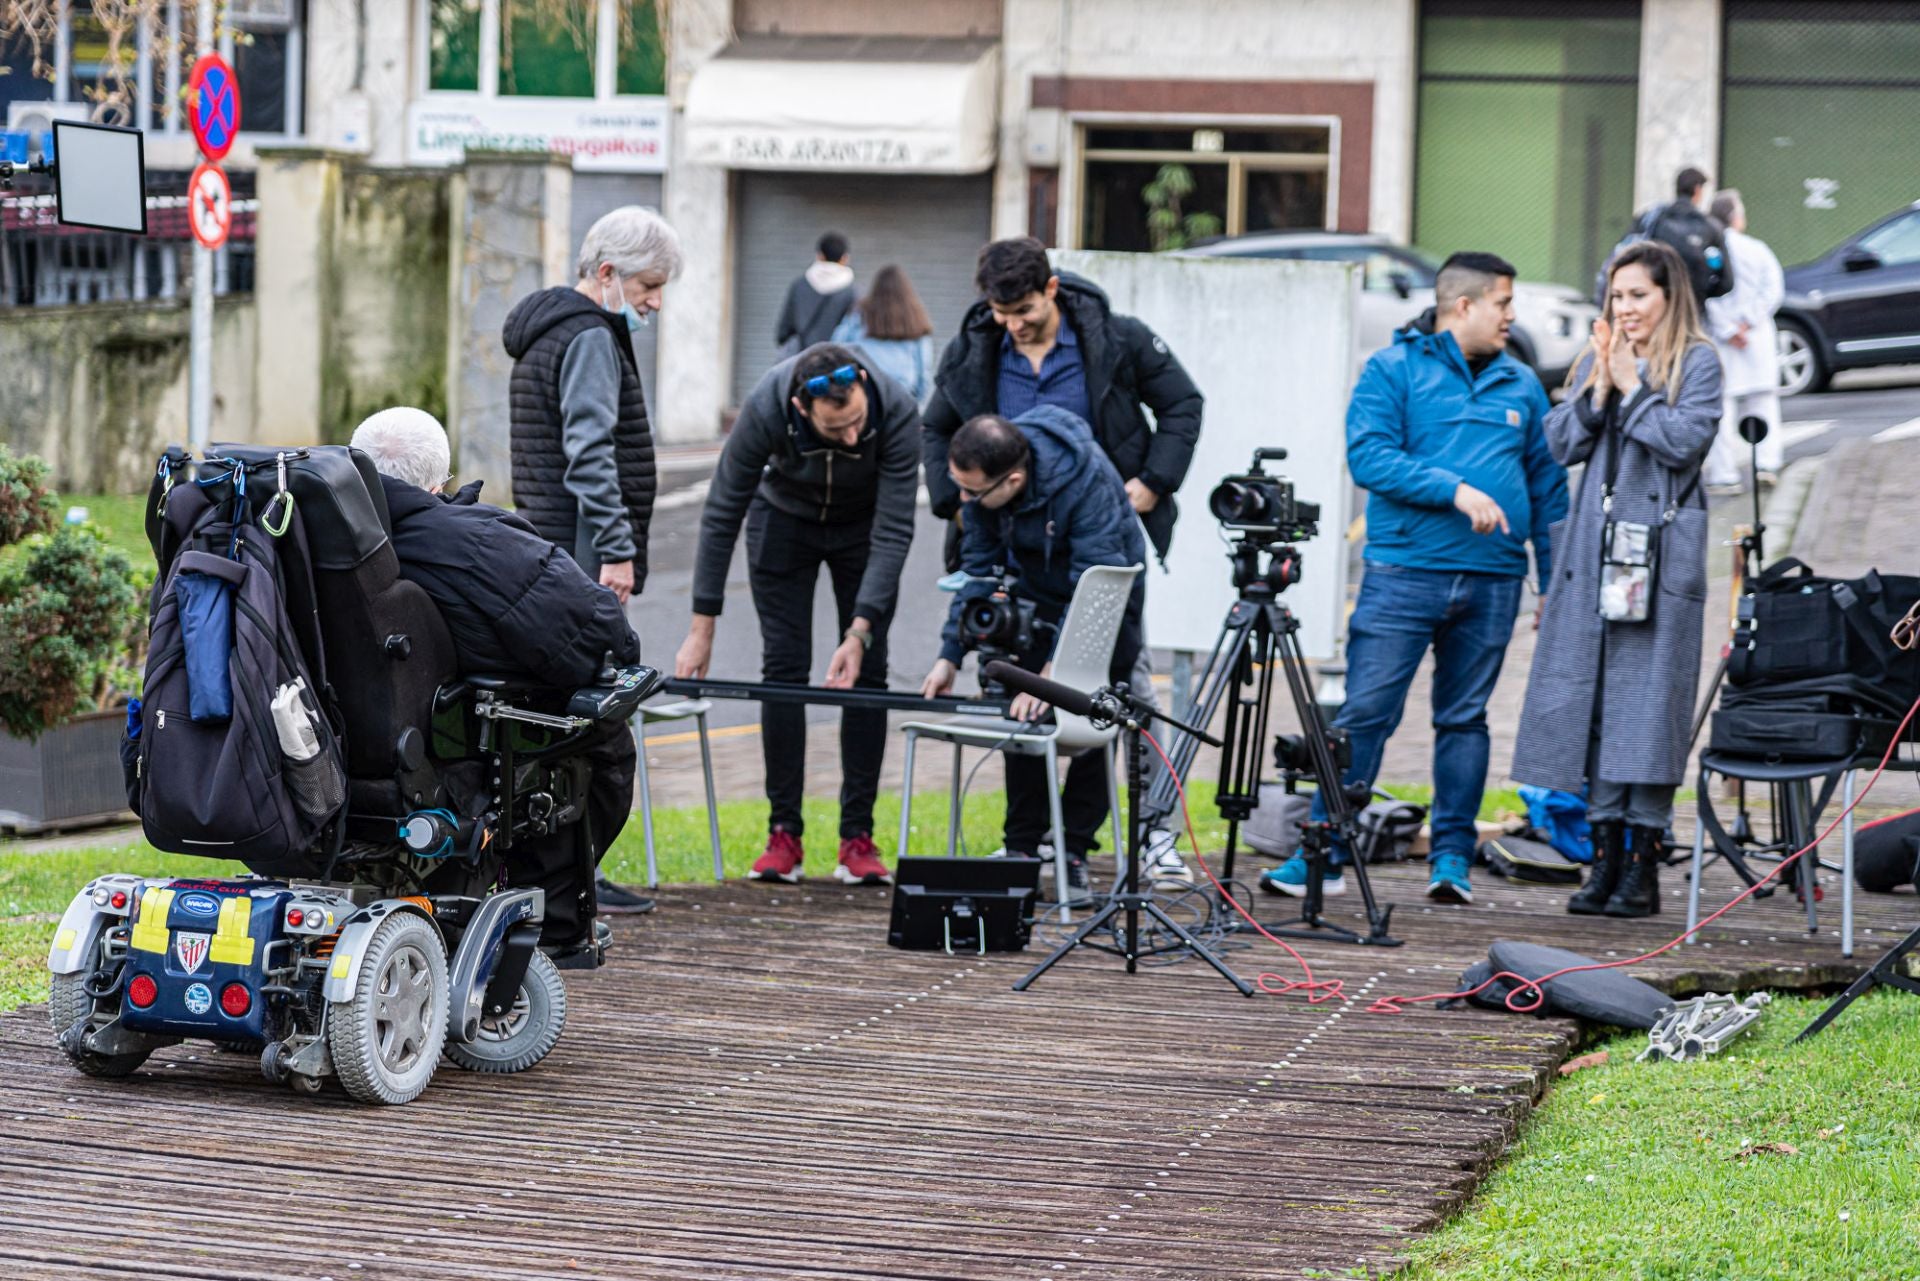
(845, 376)
(978, 494)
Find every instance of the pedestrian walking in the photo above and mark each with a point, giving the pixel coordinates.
(1610, 700)
(891, 329)
(1742, 328)
(817, 300)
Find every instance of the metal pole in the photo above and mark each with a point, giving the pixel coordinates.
(200, 341)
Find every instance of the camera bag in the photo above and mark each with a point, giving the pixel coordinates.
(1796, 626)
(1791, 731)
(1886, 853)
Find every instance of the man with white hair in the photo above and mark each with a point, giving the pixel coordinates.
(515, 605)
(583, 472)
(1741, 325)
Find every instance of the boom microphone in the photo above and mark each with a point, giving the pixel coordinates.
(1065, 697)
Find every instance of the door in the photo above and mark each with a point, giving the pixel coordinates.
(933, 227)
(1876, 305)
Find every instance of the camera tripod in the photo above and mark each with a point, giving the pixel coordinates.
(1112, 705)
(1260, 633)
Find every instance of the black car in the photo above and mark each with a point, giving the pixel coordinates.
(1857, 305)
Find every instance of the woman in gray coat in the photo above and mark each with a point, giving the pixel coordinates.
(1610, 699)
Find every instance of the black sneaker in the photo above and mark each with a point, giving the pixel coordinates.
(588, 954)
(615, 901)
(1077, 872)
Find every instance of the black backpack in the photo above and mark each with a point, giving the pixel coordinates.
(1698, 239)
(210, 775)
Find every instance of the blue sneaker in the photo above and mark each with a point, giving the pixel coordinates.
(1290, 878)
(1449, 881)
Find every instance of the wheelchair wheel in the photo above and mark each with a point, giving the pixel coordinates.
(67, 1004)
(525, 1034)
(386, 1038)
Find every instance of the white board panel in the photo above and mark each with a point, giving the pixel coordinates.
(1271, 344)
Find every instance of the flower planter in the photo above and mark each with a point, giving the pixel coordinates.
(71, 777)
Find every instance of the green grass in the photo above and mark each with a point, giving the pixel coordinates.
(120, 518)
(1629, 1170)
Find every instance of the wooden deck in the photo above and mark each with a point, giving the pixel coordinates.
(758, 1087)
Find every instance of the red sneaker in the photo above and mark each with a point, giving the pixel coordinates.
(860, 863)
(781, 862)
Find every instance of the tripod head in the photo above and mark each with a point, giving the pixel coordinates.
(1262, 570)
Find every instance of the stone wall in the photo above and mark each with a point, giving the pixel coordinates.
(99, 391)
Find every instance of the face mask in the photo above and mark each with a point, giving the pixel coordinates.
(634, 319)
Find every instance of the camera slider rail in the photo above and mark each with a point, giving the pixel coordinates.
(885, 700)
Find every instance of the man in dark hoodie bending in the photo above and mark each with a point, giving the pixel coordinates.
(1043, 501)
(515, 606)
(823, 465)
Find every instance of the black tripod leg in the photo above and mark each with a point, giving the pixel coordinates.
(1194, 945)
(1886, 970)
(1094, 922)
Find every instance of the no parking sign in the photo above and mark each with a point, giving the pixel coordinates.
(213, 111)
(210, 206)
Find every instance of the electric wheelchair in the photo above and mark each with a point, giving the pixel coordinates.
(399, 934)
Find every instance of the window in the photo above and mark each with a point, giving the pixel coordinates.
(545, 48)
(1896, 243)
(1152, 187)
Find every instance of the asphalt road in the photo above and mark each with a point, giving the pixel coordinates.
(1866, 403)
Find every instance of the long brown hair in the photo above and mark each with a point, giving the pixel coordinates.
(1679, 328)
(891, 308)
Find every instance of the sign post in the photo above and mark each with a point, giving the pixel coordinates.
(213, 113)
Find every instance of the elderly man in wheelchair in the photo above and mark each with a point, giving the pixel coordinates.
(400, 749)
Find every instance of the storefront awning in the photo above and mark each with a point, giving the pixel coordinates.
(877, 105)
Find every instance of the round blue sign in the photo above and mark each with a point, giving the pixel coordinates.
(214, 115)
(199, 998)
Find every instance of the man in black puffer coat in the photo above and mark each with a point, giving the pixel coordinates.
(515, 605)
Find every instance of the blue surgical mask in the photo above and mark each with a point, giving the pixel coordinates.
(633, 318)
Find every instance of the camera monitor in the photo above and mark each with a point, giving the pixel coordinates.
(100, 176)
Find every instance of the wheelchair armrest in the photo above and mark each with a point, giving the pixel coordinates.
(618, 699)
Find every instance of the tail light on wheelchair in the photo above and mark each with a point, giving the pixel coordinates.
(235, 1000)
(308, 918)
(112, 900)
(143, 991)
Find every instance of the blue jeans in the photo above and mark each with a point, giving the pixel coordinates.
(1467, 620)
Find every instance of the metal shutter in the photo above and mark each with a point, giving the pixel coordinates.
(931, 226)
(597, 194)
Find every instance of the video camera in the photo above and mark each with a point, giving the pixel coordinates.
(1263, 507)
(1000, 625)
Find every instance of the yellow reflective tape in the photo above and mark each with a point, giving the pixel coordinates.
(63, 941)
(342, 965)
(150, 931)
(232, 940)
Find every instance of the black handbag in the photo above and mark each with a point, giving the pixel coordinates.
(1795, 626)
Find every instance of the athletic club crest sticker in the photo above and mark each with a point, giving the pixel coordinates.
(191, 949)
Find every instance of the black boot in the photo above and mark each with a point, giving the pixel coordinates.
(1609, 860)
(1639, 892)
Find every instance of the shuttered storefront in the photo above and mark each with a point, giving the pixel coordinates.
(1527, 117)
(931, 226)
(1820, 126)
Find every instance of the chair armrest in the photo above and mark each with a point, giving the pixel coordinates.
(617, 699)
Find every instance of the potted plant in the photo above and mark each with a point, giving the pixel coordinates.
(72, 644)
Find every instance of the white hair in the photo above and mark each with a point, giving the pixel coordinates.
(633, 241)
(407, 444)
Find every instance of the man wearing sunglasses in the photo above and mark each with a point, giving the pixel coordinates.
(1043, 500)
(823, 467)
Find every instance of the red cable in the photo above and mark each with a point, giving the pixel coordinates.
(1396, 1004)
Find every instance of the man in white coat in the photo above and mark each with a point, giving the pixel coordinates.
(1741, 323)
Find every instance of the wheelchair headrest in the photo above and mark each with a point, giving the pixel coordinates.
(336, 489)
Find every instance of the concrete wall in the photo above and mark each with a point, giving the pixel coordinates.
(99, 391)
(360, 78)
(1679, 95)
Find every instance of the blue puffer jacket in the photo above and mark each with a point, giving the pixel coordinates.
(1073, 514)
(1419, 424)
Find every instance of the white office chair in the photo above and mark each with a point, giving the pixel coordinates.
(1080, 661)
(694, 709)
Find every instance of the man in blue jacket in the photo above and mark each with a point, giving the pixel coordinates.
(1445, 433)
(1043, 501)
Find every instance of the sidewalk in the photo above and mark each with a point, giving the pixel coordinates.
(1858, 515)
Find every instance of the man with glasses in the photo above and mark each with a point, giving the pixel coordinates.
(1043, 500)
(823, 466)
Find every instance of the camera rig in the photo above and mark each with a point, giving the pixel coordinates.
(1000, 626)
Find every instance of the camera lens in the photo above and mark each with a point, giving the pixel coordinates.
(1235, 502)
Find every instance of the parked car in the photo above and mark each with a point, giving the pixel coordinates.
(1856, 305)
(1550, 325)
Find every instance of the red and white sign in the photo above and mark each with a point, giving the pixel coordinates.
(210, 206)
(213, 105)
(192, 949)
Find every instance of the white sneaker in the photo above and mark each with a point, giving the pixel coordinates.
(1161, 860)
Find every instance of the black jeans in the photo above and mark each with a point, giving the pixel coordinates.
(1083, 800)
(553, 862)
(784, 556)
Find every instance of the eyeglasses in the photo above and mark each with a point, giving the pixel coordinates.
(845, 376)
(978, 494)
